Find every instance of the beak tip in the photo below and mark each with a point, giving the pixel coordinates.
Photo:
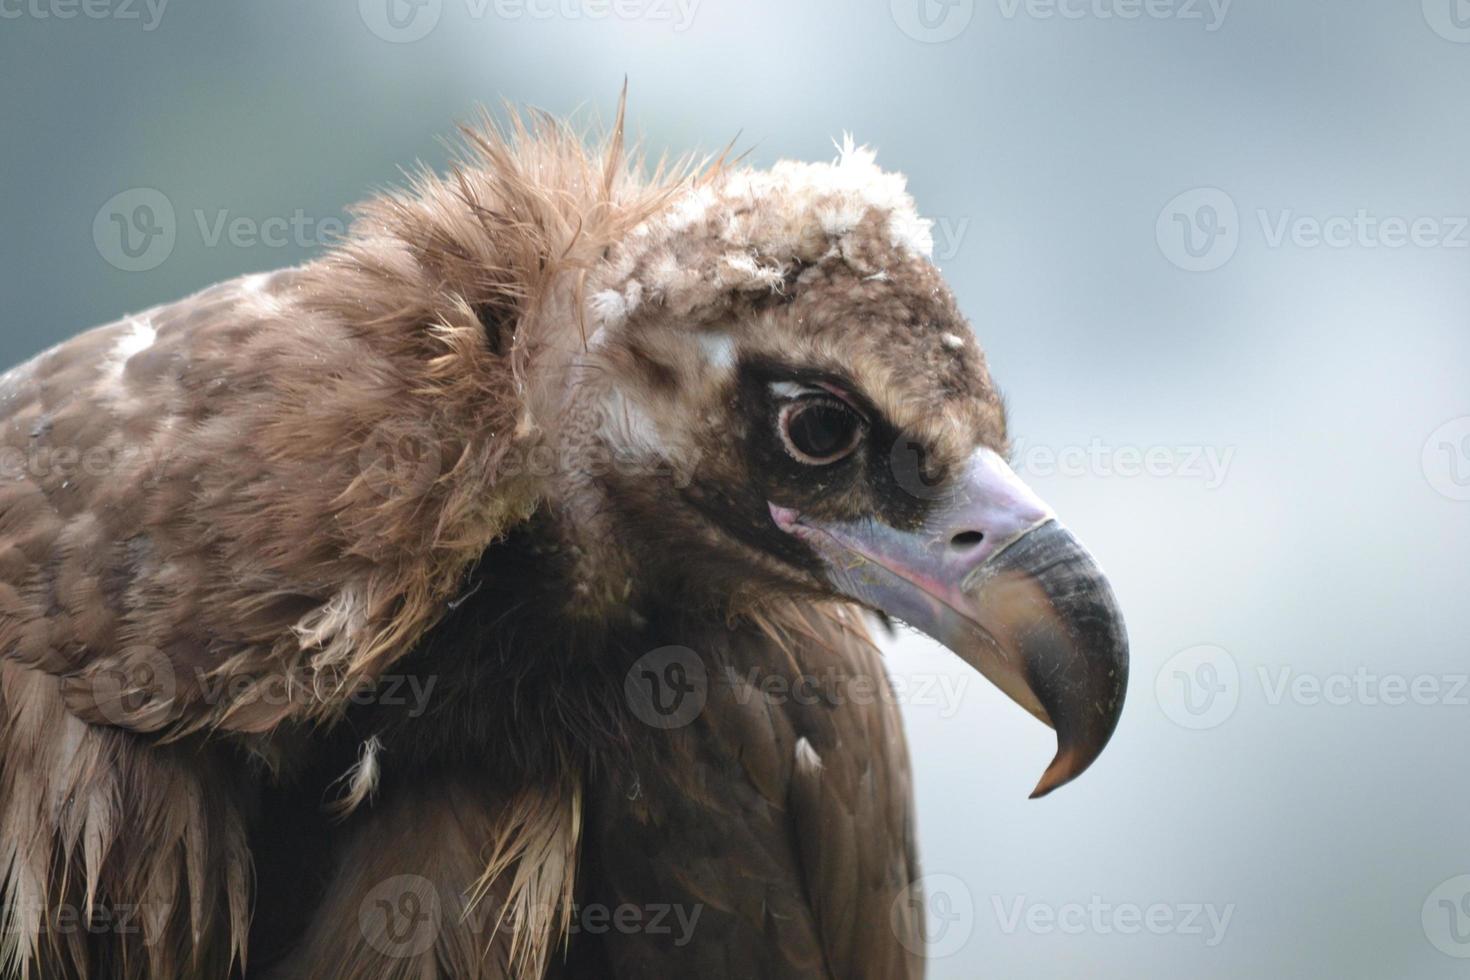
(1061, 771)
(1075, 757)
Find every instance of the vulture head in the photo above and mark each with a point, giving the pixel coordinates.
(773, 393)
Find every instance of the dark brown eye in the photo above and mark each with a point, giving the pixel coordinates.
(817, 431)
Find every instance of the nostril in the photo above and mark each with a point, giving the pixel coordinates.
(966, 540)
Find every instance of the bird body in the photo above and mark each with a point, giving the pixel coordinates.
(327, 595)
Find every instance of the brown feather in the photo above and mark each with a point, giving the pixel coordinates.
(292, 481)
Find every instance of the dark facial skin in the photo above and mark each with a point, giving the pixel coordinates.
(860, 483)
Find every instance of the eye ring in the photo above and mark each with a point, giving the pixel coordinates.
(819, 430)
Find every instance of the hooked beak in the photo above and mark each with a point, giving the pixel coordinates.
(996, 578)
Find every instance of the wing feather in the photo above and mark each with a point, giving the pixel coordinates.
(780, 819)
(213, 513)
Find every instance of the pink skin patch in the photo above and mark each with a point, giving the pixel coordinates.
(990, 508)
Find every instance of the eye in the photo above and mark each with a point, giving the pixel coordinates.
(819, 430)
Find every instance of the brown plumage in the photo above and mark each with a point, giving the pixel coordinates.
(518, 430)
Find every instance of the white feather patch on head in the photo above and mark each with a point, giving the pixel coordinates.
(719, 350)
(746, 229)
(625, 425)
(690, 210)
(609, 308)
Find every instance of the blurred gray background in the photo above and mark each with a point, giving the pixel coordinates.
(1218, 254)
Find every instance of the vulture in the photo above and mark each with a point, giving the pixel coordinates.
(486, 596)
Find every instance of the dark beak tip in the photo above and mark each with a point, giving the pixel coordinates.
(1075, 757)
(1063, 770)
(1066, 766)
(1078, 658)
